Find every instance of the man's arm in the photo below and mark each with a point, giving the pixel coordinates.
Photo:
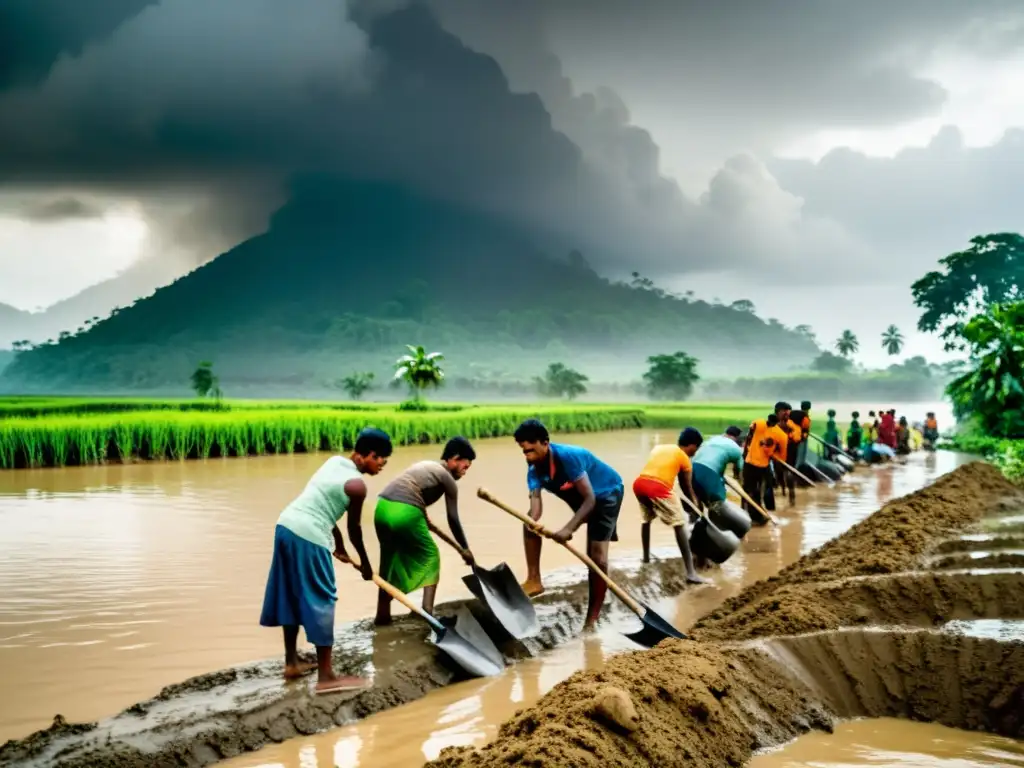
(356, 491)
(585, 490)
(750, 438)
(451, 502)
(686, 484)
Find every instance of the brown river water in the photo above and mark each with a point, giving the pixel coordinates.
(470, 712)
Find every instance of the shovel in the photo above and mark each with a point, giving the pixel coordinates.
(797, 472)
(826, 478)
(835, 448)
(709, 541)
(655, 628)
(481, 659)
(499, 589)
(746, 497)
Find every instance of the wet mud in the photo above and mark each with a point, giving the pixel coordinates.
(853, 629)
(220, 715)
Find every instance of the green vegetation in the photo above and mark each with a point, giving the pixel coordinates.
(205, 384)
(671, 377)
(892, 340)
(61, 432)
(1008, 455)
(991, 391)
(561, 381)
(847, 343)
(355, 385)
(419, 370)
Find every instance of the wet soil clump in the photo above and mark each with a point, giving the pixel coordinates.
(833, 636)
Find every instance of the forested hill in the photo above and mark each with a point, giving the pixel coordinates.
(348, 273)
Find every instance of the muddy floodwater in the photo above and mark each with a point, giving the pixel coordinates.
(470, 713)
(895, 743)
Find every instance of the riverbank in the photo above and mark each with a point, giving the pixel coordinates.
(240, 709)
(70, 432)
(854, 629)
(1008, 455)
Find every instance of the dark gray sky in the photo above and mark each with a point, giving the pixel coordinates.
(792, 152)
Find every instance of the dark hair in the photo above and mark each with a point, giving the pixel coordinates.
(532, 431)
(856, 414)
(930, 414)
(373, 440)
(782, 405)
(458, 447)
(690, 436)
(832, 413)
(733, 431)
(871, 413)
(903, 420)
(805, 405)
(772, 420)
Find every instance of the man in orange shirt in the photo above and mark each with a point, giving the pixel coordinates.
(653, 489)
(796, 426)
(765, 441)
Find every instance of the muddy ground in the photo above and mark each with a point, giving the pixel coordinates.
(852, 629)
(211, 717)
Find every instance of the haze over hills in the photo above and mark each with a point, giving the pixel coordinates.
(349, 272)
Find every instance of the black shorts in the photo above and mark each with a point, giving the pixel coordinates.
(602, 524)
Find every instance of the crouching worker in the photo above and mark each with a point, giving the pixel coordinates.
(591, 488)
(653, 489)
(409, 558)
(301, 588)
(710, 463)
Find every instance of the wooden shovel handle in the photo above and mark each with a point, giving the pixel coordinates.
(746, 497)
(835, 448)
(537, 528)
(689, 502)
(797, 472)
(824, 477)
(399, 596)
(449, 540)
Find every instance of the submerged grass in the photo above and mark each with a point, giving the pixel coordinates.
(73, 431)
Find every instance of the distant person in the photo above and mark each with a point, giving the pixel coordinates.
(887, 429)
(301, 587)
(854, 435)
(765, 440)
(832, 437)
(653, 489)
(795, 436)
(802, 418)
(710, 463)
(903, 437)
(591, 488)
(930, 433)
(871, 428)
(409, 558)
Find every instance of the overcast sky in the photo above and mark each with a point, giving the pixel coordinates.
(813, 156)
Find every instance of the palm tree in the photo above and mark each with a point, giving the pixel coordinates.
(419, 369)
(892, 340)
(847, 343)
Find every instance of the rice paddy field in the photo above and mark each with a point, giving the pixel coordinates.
(68, 431)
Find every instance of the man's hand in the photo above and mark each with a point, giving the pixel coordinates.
(366, 570)
(342, 556)
(563, 535)
(467, 557)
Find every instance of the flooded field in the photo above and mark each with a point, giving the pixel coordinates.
(895, 743)
(469, 713)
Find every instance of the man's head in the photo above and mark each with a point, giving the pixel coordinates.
(831, 413)
(458, 455)
(892, 412)
(782, 411)
(805, 405)
(534, 440)
(735, 434)
(371, 451)
(772, 420)
(871, 414)
(856, 414)
(690, 440)
(930, 414)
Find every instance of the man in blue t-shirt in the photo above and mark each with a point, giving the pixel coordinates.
(591, 488)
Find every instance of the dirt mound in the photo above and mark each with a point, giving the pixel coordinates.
(994, 560)
(701, 704)
(980, 543)
(891, 540)
(712, 700)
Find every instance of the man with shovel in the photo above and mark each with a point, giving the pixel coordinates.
(409, 558)
(711, 461)
(301, 588)
(766, 440)
(653, 491)
(591, 488)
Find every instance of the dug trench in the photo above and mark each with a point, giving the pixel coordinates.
(861, 627)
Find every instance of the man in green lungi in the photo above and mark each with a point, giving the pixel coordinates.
(409, 559)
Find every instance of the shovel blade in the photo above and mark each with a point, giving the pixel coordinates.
(500, 591)
(468, 645)
(655, 629)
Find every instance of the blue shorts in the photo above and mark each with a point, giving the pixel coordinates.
(300, 588)
(707, 484)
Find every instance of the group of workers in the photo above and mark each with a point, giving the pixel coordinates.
(883, 436)
(301, 589)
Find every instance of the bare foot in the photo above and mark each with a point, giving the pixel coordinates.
(301, 669)
(647, 558)
(590, 626)
(337, 684)
(533, 588)
(382, 621)
(693, 578)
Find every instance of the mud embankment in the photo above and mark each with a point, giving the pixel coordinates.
(223, 714)
(835, 635)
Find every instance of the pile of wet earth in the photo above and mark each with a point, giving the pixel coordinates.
(876, 622)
